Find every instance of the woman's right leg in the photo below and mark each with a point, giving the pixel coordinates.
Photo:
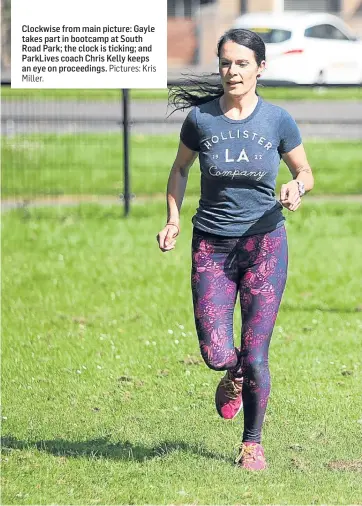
(214, 290)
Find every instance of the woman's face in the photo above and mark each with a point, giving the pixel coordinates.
(238, 68)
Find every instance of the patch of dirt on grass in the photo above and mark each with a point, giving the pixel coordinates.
(191, 360)
(296, 447)
(346, 465)
(299, 464)
(163, 372)
(79, 319)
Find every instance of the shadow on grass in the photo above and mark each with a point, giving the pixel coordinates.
(103, 448)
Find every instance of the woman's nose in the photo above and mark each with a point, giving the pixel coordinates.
(232, 69)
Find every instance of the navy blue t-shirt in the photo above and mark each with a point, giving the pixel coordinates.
(239, 163)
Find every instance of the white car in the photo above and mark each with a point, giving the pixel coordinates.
(306, 48)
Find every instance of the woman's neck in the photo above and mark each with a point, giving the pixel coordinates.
(238, 107)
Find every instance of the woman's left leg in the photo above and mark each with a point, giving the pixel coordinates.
(261, 289)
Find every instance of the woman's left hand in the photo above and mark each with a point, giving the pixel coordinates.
(289, 196)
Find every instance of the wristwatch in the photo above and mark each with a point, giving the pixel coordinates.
(301, 188)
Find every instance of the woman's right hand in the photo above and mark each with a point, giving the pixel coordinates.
(167, 237)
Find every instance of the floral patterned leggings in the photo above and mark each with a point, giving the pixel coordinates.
(255, 267)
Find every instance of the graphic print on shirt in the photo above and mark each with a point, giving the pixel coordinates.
(247, 157)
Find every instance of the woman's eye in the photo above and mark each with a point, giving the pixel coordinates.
(227, 64)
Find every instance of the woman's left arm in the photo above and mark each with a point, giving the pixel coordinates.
(300, 169)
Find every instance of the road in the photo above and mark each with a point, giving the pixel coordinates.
(316, 119)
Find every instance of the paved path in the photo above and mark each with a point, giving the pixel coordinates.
(323, 119)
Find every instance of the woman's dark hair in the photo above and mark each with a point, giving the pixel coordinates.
(196, 90)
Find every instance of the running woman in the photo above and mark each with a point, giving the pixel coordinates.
(239, 243)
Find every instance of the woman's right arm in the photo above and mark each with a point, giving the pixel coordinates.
(176, 187)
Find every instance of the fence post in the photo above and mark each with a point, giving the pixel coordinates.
(127, 196)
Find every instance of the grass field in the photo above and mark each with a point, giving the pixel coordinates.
(105, 398)
(296, 93)
(93, 164)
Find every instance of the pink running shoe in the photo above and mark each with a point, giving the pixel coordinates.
(228, 398)
(251, 457)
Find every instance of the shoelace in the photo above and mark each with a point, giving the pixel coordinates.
(232, 388)
(248, 452)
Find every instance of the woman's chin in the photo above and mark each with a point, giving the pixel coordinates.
(236, 91)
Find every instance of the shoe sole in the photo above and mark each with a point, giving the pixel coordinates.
(252, 470)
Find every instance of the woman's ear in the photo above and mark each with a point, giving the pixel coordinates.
(261, 68)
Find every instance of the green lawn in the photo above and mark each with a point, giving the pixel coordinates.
(105, 398)
(92, 164)
(269, 93)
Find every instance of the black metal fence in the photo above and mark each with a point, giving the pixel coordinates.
(44, 146)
